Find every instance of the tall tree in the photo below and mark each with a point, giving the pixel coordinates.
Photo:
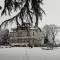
(27, 8)
(50, 32)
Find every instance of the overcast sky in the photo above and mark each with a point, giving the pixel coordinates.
(52, 10)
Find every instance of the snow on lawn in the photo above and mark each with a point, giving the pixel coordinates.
(26, 53)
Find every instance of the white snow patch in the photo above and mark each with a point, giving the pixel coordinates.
(26, 53)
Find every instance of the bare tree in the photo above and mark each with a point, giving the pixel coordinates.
(46, 31)
(54, 31)
(27, 9)
(50, 32)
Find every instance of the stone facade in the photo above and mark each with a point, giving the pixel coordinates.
(34, 36)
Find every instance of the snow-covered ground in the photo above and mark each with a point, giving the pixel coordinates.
(26, 53)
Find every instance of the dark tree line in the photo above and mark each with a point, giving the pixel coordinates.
(4, 37)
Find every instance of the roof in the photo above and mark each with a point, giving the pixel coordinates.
(24, 27)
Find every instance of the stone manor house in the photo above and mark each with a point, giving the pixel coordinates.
(23, 37)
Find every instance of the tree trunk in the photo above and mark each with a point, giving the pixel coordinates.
(54, 43)
(17, 23)
(36, 23)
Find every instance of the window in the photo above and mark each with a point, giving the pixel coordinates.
(33, 33)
